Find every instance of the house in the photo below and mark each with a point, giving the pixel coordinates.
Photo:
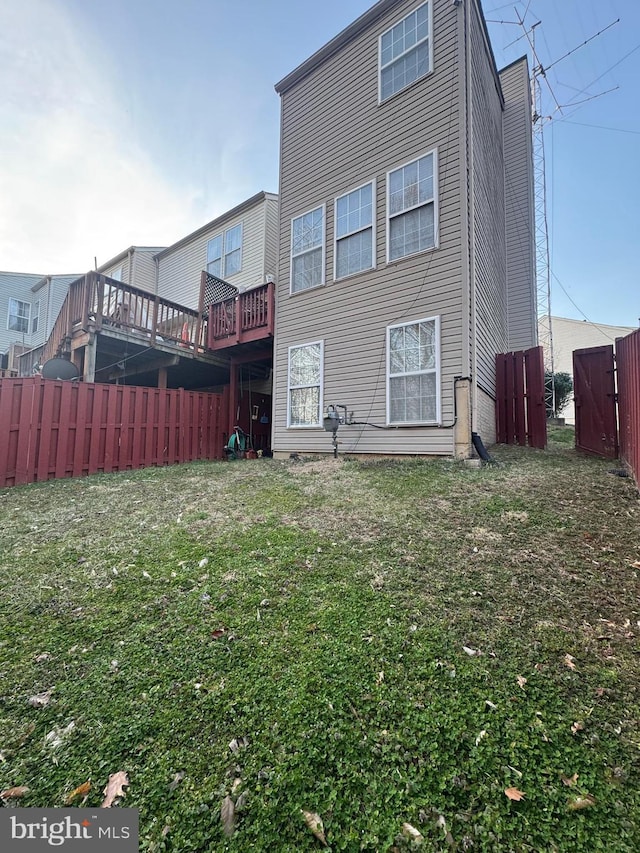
(197, 314)
(29, 305)
(406, 233)
(569, 335)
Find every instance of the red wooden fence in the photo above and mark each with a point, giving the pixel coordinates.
(628, 365)
(520, 409)
(51, 429)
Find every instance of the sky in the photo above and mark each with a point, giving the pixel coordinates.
(134, 122)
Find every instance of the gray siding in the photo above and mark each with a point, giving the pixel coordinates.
(488, 219)
(15, 286)
(520, 215)
(271, 226)
(144, 269)
(180, 267)
(335, 137)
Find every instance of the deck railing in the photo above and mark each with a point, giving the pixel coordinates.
(96, 302)
(242, 318)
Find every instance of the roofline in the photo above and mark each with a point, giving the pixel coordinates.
(45, 278)
(240, 208)
(354, 29)
(517, 61)
(348, 34)
(125, 253)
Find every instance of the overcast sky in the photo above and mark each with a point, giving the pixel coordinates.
(133, 122)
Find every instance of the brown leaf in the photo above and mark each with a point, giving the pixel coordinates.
(228, 816)
(40, 700)
(514, 794)
(569, 661)
(577, 727)
(13, 793)
(569, 781)
(314, 822)
(219, 632)
(635, 565)
(80, 791)
(582, 802)
(115, 788)
(522, 681)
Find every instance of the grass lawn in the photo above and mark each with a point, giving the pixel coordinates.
(388, 645)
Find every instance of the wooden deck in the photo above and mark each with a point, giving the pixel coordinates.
(241, 319)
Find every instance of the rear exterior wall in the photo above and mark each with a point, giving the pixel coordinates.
(336, 137)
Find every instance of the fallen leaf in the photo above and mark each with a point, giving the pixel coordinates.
(41, 700)
(238, 743)
(522, 681)
(481, 736)
(176, 781)
(55, 737)
(314, 822)
(514, 794)
(582, 802)
(380, 677)
(490, 704)
(635, 565)
(569, 661)
(80, 791)
(569, 781)
(411, 832)
(228, 816)
(219, 632)
(471, 652)
(115, 788)
(203, 562)
(146, 575)
(13, 793)
(578, 726)
(42, 657)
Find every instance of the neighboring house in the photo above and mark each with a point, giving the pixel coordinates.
(239, 247)
(135, 266)
(569, 335)
(406, 233)
(29, 305)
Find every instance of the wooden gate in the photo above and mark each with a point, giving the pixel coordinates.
(520, 409)
(594, 392)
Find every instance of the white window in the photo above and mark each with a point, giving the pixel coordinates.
(224, 253)
(116, 274)
(405, 52)
(233, 250)
(355, 244)
(35, 320)
(18, 316)
(305, 385)
(307, 250)
(214, 256)
(411, 207)
(413, 372)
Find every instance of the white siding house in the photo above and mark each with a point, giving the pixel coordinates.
(239, 247)
(396, 281)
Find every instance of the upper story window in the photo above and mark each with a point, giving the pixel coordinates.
(355, 244)
(116, 274)
(411, 207)
(18, 316)
(224, 252)
(413, 372)
(405, 52)
(307, 250)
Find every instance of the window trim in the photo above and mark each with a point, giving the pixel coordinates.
(35, 317)
(293, 292)
(374, 208)
(222, 236)
(320, 384)
(437, 370)
(428, 39)
(436, 219)
(18, 316)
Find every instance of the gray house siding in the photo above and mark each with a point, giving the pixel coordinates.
(336, 137)
(519, 205)
(144, 271)
(489, 253)
(180, 265)
(271, 213)
(15, 286)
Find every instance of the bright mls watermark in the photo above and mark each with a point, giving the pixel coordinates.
(69, 830)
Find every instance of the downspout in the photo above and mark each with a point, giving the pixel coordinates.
(130, 268)
(472, 268)
(465, 217)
